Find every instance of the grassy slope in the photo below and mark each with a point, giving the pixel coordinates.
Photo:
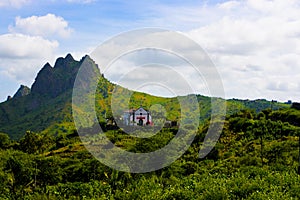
(19, 115)
(239, 167)
(39, 112)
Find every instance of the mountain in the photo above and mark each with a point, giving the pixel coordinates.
(54, 81)
(47, 105)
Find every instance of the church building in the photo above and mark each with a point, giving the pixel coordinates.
(140, 117)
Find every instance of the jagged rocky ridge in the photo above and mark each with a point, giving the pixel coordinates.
(47, 102)
(53, 81)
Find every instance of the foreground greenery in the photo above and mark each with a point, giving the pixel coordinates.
(256, 157)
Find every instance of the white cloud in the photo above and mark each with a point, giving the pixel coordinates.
(21, 56)
(13, 3)
(24, 46)
(256, 47)
(255, 44)
(29, 45)
(155, 65)
(49, 25)
(229, 5)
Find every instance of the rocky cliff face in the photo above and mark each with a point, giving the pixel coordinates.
(53, 81)
(22, 91)
(49, 100)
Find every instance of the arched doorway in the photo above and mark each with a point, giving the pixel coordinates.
(141, 122)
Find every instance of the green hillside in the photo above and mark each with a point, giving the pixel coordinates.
(42, 156)
(49, 102)
(256, 157)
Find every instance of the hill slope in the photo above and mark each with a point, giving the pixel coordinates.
(49, 101)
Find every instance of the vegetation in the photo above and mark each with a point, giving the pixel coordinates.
(49, 101)
(256, 157)
(19, 115)
(42, 156)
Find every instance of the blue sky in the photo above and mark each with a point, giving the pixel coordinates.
(255, 44)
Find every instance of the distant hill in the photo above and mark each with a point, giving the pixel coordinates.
(46, 106)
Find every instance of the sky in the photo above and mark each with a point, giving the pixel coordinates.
(254, 44)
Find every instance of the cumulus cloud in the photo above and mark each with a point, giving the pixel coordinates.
(254, 43)
(157, 48)
(147, 67)
(48, 25)
(21, 56)
(24, 46)
(256, 47)
(13, 3)
(30, 43)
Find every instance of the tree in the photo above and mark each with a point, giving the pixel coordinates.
(20, 169)
(49, 171)
(259, 130)
(299, 158)
(4, 140)
(31, 143)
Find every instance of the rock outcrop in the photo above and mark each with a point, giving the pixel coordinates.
(53, 81)
(22, 91)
